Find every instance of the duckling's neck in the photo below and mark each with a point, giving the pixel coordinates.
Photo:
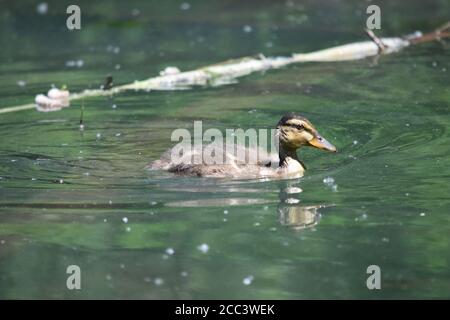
(288, 159)
(286, 153)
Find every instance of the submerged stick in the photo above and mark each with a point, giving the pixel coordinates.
(227, 72)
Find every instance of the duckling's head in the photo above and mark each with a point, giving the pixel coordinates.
(296, 131)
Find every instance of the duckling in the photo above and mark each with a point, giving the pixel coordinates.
(293, 132)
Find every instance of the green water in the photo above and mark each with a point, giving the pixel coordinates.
(390, 202)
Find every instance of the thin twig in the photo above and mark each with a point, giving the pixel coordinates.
(381, 46)
(227, 72)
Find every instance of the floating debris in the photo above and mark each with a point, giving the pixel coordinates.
(169, 71)
(109, 82)
(422, 214)
(45, 104)
(225, 211)
(53, 101)
(21, 83)
(125, 220)
(204, 248)
(184, 273)
(228, 72)
(248, 280)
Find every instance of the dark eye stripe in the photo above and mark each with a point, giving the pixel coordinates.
(298, 126)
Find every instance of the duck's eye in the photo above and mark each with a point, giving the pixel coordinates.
(298, 127)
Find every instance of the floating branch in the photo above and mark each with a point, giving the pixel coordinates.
(227, 72)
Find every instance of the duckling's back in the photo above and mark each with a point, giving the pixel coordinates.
(245, 162)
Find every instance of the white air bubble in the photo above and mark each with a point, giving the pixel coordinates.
(248, 280)
(185, 6)
(204, 248)
(42, 8)
(247, 29)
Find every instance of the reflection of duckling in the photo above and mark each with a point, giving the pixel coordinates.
(299, 217)
(293, 131)
(293, 215)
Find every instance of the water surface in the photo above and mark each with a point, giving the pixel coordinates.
(64, 193)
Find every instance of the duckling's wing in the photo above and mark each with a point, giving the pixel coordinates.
(243, 155)
(215, 159)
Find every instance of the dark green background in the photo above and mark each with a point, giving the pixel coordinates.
(397, 111)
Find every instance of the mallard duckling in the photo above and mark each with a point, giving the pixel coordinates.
(293, 132)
